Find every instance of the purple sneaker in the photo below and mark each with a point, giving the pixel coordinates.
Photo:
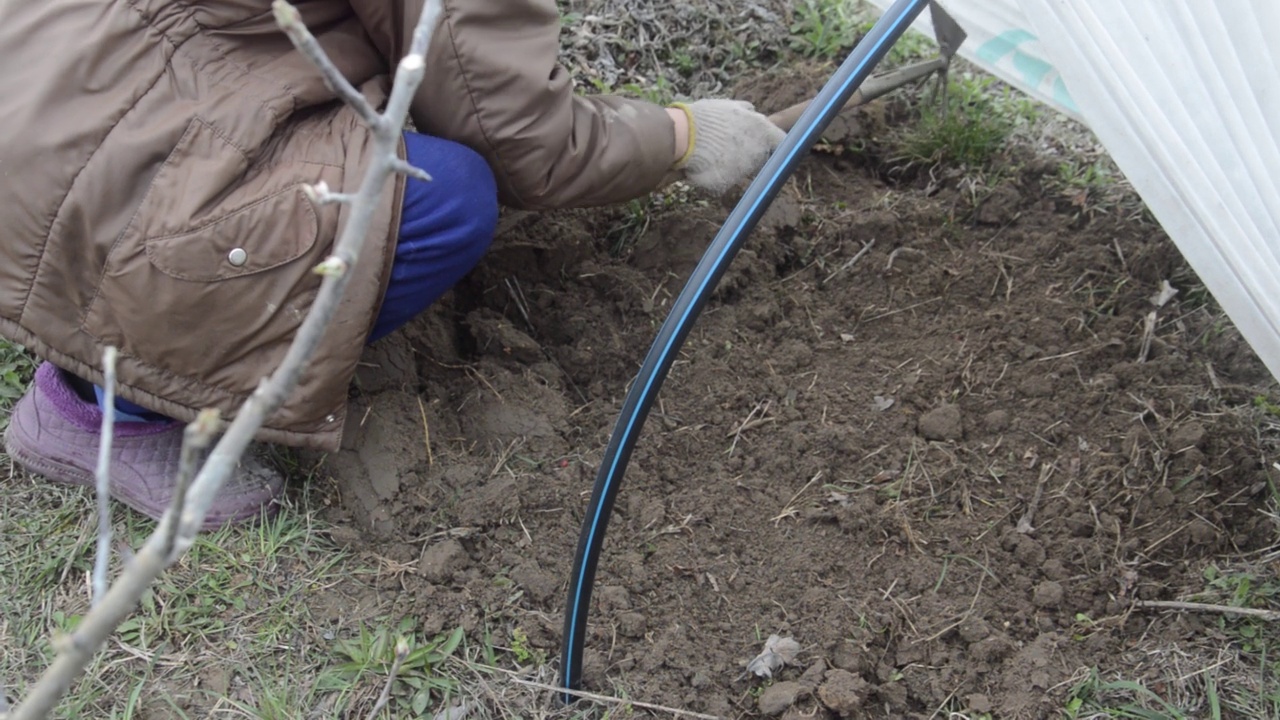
(54, 433)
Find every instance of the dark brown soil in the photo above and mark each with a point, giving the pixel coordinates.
(915, 430)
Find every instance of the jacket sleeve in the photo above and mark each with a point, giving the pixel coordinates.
(495, 84)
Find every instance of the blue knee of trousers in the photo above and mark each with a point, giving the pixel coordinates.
(446, 226)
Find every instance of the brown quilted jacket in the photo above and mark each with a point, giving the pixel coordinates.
(146, 140)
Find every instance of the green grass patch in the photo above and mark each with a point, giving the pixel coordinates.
(829, 29)
(825, 28)
(16, 368)
(968, 130)
(1094, 698)
(1204, 678)
(254, 620)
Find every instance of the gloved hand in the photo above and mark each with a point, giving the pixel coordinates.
(728, 142)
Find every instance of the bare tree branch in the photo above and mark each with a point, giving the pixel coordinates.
(196, 437)
(290, 20)
(103, 478)
(178, 527)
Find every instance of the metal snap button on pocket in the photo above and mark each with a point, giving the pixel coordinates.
(238, 257)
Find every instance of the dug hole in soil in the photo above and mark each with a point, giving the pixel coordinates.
(915, 432)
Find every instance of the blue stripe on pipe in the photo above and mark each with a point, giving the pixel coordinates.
(894, 30)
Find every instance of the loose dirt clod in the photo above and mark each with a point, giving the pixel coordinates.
(439, 561)
(778, 697)
(843, 692)
(942, 423)
(1048, 594)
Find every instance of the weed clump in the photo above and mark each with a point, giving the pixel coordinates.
(968, 129)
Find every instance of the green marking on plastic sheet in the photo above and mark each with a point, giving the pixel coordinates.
(1033, 70)
(1003, 44)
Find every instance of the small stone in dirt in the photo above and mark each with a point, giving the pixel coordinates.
(387, 364)
(792, 355)
(1029, 552)
(344, 535)
(1189, 435)
(992, 650)
(844, 692)
(539, 585)
(974, 629)
(942, 423)
(1081, 524)
(996, 421)
(496, 336)
(613, 598)
(783, 214)
(1162, 497)
(1105, 382)
(778, 697)
(632, 624)
(978, 703)
(215, 679)
(1037, 386)
(490, 504)
(1048, 594)
(893, 695)
(1203, 534)
(814, 675)
(1000, 207)
(440, 561)
(1054, 569)
(848, 656)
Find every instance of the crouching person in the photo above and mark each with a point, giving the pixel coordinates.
(153, 171)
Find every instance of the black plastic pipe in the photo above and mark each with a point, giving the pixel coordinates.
(815, 119)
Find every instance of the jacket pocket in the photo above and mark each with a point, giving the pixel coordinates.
(214, 269)
(204, 219)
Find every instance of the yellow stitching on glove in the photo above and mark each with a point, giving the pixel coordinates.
(693, 135)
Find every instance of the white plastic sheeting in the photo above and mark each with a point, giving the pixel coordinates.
(1185, 96)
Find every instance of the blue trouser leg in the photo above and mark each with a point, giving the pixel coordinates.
(446, 225)
(445, 228)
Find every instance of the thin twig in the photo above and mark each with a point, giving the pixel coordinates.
(1148, 334)
(518, 298)
(902, 310)
(898, 251)
(196, 437)
(76, 650)
(786, 509)
(849, 263)
(402, 651)
(1269, 615)
(1024, 522)
(613, 700)
(965, 616)
(426, 433)
(103, 473)
(290, 20)
(761, 407)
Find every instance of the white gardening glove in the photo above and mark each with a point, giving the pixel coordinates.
(728, 143)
